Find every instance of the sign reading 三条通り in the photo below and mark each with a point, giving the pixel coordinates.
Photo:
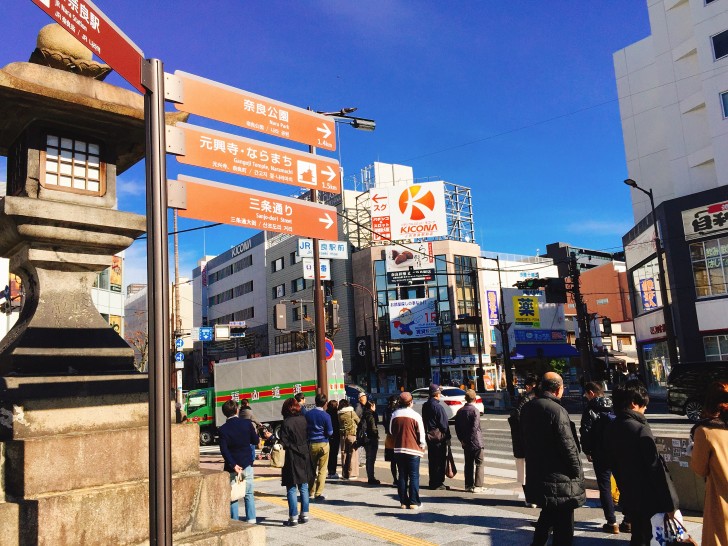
(216, 202)
(238, 155)
(525, 311)
(405, 212)
(708, 220)
(88, 24)
(648, 293)
(413, 318)
(492, 299)
(222, 102)
(406, 263)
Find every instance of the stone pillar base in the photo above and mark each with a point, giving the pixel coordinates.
(75, 468)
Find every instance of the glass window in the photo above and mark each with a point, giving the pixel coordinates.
(300, 312)
(720, 45)
(73, 165)
(724, 103)
(102, 280)
(710, 263)
(279, 291)
(277, 265)
(716, 347)
(298, 284)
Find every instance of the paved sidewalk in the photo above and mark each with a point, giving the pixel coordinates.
(357, 513)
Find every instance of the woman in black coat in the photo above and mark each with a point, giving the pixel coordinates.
(297, 470)
(332, 408)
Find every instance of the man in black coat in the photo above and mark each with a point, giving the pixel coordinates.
(554, 476)
(437, 433)
(467, 428)
(645, 487)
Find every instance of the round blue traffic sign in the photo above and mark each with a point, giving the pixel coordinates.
(179, 343)
(179, 357)
(329, 348)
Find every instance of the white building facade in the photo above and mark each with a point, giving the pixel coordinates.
(673, 95)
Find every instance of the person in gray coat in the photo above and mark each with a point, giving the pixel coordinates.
(554, 476)
(467, 428)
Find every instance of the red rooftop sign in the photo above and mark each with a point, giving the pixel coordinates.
(95, 31)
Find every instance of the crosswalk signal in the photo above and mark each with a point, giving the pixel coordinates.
(606, 326)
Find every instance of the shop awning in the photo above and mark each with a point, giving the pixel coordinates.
(548, 350)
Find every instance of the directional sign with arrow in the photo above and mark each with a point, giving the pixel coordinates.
(216, 202)
(245, 109)
(233, 154)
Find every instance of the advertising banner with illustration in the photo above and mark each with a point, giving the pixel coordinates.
(115, 274)
(411, 262)
(492, 299)
(411, 319)
(525, 311)
(648, 293)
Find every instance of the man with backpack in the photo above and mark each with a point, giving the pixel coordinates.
(595, 419)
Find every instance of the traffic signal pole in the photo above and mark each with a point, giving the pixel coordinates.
(322, 381)
(582, 319)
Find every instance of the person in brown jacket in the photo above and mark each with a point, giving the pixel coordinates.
(348, 421)
(710, 460)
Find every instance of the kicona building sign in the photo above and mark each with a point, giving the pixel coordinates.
(406, 212)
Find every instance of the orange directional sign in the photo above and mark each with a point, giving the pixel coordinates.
(216, 202)
(233, 154)
(95, 31)
(224, 103)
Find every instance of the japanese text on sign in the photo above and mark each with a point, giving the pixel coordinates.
(525, 310)
(708, 220)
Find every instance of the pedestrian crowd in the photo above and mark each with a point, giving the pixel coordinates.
(613, 434)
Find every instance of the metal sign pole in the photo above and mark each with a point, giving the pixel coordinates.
(160, 457)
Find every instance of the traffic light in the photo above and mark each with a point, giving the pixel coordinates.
(606, 326)
(332, 321)
(279, 316)
(555, 290)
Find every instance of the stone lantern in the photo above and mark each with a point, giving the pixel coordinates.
(74, 461)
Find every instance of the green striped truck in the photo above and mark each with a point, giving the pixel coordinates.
(266, 382)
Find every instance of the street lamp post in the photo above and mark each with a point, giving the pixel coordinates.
(322, 383)
(375, 344)
(667, 310)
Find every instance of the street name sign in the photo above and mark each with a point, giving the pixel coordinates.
(243, 207)
(335, 250)
(224, 103)
(229, 153)
(309, 269)
(88, 24)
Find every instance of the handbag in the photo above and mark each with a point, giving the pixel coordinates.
(675, 532)
(277, 456)
(450, 470)
(361, 434)
(237, 487)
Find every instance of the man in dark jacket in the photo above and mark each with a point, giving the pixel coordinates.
(467, 428)
(369, 422)
(554, 477)
(437, 433)
(514, 420)
(594, 423)
(645, 487)
(236, 437)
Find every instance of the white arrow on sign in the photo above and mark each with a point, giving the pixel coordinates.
(331, 173)
(327, 220)
(325, 130)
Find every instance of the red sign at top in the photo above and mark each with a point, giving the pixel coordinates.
(95, 31)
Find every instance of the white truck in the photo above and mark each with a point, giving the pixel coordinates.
(266, 382)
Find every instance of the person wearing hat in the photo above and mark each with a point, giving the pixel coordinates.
(408, 431)
(438, 437)
(467, 428)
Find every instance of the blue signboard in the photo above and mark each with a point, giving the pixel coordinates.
(648, 292)
(206, 333)
(540, 336)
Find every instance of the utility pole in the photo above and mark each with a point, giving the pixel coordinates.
(503, 328)
(582, 319)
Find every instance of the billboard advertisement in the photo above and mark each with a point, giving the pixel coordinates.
(648, 293)
(115, 274)
(492, 299)
(412, 262)
(411, 319)
(414, 211)
(525, 311)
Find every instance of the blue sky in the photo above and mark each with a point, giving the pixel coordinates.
(515, 99)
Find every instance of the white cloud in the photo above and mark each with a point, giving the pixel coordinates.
(133, 188)
(600, 227)
(135, 264)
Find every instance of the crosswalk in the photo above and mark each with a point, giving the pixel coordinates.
(499, 460)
